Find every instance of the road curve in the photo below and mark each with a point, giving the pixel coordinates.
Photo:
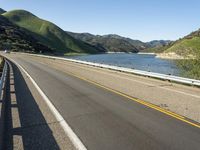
(105, 120)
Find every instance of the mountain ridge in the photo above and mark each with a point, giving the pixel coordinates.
(64, 41)
(108, 41)
(49, 33)
(15, 38)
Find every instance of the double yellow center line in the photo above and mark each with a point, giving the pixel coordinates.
(169, 113)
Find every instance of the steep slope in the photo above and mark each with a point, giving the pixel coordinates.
(17, 39)
(48, 33)
(188, 46)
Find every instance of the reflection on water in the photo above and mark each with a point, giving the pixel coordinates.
(137, 61)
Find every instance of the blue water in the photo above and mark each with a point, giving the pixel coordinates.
(144, 62)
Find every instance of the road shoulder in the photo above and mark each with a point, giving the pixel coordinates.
(30, 123)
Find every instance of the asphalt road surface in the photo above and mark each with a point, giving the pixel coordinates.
(104, 120)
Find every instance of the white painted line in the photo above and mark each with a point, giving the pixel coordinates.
(68, 130)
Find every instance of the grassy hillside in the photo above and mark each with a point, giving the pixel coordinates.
(189, 47)
(48, 33)
(190, 68)
(186, 46)
(17, 39)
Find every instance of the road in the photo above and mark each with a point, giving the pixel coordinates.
(105, 120)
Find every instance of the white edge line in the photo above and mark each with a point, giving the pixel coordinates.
(68, 130)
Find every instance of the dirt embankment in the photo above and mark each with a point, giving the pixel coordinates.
(172, 55)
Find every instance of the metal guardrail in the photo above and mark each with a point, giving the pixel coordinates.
(129, 70)
(2, 104)
(3, 75)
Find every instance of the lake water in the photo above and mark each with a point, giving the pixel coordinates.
(144, 62)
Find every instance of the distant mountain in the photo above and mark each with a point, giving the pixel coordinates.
(48, 33)
(2, 11)
(116, 43)
(157, 43)
(18, 39)
(60, 41)
(111, 42)
(137, 43)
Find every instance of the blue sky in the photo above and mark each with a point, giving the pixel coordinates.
(138, 19)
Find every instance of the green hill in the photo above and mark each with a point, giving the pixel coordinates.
(48, 33)
(186, 46)
(15, 38)
(189, 45)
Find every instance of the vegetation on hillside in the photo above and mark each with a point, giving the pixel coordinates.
(190, 68)
(116, 43)
(157, 43)
(189, 47)
(1, 63)
(48, 33)
(15, 38)
(159, 49)
(62, 42)
(108, 42)
(22, 31)
(186, 46)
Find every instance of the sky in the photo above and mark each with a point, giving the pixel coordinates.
(145, 20)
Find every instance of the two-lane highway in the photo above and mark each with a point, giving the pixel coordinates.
(104, 120)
